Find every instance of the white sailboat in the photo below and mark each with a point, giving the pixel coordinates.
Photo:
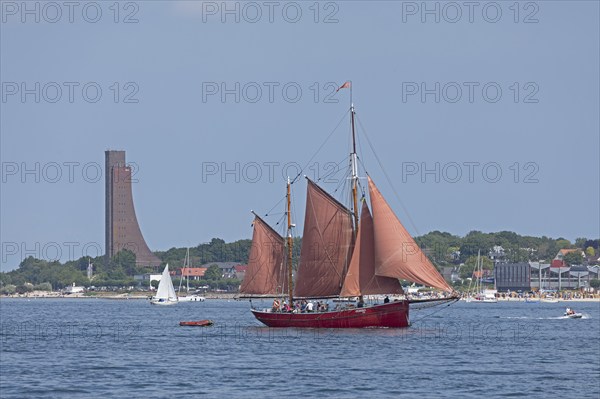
(165, 295)
(187, 298)
(481, 295)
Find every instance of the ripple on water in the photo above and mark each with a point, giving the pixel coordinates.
(93, 348)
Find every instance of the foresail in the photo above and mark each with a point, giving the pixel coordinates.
(361, 278)
(396, 252)
(266, 273)
(163, 285)
(326, 245)
(170, 289)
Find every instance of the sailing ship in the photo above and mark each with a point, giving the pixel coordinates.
(479, 293)
(165, 294)
(343, 255)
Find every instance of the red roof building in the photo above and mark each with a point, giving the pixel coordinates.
(193, 273)
(240, 271)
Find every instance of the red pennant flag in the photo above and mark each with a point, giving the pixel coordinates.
(344, 86)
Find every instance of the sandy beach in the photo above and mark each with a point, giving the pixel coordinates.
(103, 295)
(208, 296)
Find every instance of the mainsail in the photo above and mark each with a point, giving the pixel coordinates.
(326, 245)
(396, 252)
(266, 273)
(361, 278)
(165, 286)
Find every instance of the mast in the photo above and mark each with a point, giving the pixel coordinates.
(540, 280)
(187, 277)
(478, 275)
(289, 242)
(354, 166)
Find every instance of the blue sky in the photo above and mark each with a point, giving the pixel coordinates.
(494, 89)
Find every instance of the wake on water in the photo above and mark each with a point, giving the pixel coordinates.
(583, 317)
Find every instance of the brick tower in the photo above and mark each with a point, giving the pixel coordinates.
(122, 229)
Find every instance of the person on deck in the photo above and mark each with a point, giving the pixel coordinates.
(387, 299)
(276, 305)
(361, 303)
(309, 307)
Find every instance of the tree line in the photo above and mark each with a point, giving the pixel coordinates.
(444, 249)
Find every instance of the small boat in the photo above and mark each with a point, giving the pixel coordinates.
(191, 298)
(571, 314)
(574, 315)
(549, 300)
(481, 295)
(198, 323)
(165, 295)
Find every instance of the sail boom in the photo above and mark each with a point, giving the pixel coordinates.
(316, 297)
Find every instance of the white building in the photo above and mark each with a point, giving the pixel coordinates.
(73, 289)
(147, 278)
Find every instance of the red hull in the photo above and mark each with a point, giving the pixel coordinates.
(199, 323)
(392, 315)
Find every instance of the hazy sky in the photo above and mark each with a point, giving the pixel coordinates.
(485, 115)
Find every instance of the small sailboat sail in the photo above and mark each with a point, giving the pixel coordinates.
(165, 294)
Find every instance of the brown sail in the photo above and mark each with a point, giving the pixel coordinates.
(361, 278)
(326, 245)
(396, 252)
(266, 273)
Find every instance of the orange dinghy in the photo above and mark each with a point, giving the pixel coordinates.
(199, 323)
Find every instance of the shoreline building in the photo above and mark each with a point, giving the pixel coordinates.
(122, 230)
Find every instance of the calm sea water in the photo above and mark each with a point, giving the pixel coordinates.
(57, 348)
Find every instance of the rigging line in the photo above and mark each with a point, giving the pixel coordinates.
(335, 171)
(360, 163)
(343, 184)
(452, 301)
(320, 148)
(387, 177)
(360, 185)
(275, 206)
(343, 180)
(283, 216)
